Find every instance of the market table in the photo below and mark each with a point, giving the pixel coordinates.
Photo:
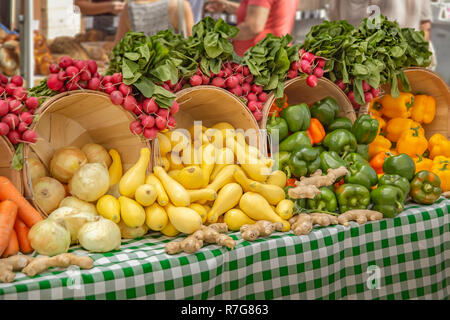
(410, 254)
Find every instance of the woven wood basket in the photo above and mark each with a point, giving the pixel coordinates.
(6, 156)
(76, 118)
(297, 91)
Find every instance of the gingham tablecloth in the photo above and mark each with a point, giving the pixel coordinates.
(403, 258)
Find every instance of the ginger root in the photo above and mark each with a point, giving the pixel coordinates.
(359, 216)
(446, 194)
(251, 232)
(302, 224)
(11, 264)
(213, 234)
(308, 188)
(63, 260)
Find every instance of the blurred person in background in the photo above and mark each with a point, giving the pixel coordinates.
(104, 13)
(152, 16)
(197, 9)
(257, 18)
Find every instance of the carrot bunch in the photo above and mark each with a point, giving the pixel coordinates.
(17, 216)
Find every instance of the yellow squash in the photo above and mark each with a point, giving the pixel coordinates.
(206, 194)
(224, 157)
(164, 144)
(225, 176)
(156, 217)
(200, 210)
(176, 192)
(135, 176)
(227, 199)
(191, 177)
(109, 208)
(256, 207)
(178, 140)
(277, 178)
(175, 162)
(223, 126)
(235, 219)
(146, 195)
(174, 174)
(184, 219)
(161, 194)
(169, 230)
(208, 162)
(285, 209)
(132, 213)
(165, 163)
(115, 169)
(241, 178)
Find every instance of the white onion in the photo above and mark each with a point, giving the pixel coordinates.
(36, 169)
(48, 193)
(65, 162)
(49, 237)
(101, 235)
(73, 219)
(96, 153)
(90, 182)
(80, 205)
(132, 233)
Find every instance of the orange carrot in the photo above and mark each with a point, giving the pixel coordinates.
(13, 246)
(8, 213)
(26, 212)
(22, 235)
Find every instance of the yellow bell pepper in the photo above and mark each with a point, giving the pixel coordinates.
(439, 146)
(397, 126)
(397, 107)
(424, 109)
(375, 108)
(380, 144)
(412, 142)
(423, 164)
(441, 167)
(381, 121)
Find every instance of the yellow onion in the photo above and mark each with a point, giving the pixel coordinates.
(65, 162)
(36, 169)
(73, 219)
(90, 182)
(132, 233)
(80, 205)
(48, 193)
(49, 237)
(96, 153)
(101, 235)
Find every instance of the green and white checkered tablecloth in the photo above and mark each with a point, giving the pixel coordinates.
(410, 255)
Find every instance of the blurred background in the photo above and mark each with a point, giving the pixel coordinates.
(33, 33)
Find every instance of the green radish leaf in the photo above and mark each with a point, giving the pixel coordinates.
(145, 86)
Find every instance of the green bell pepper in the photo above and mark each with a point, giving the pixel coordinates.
(331, 160)
(295, 141)
(362, 174)
(340, 123)
(352, 197)
(396, 181)
(365, 129)
(304, 161)
(277, 125)
(388, 200)
(325, 111)
(325, 201)
(426, 187)
(355, 157)
(300, 205)
(402, 165)
(298, 117)
(281, 162)
(363, 150)
(341, 141)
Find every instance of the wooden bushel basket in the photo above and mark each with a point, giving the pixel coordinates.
(297, 91)
(6, 156)
(76, 118)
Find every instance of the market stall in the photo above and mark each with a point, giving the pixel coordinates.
(308, 177)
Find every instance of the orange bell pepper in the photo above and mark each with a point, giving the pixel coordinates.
(423, 163)
(378, 145)
(375, 108)
(424, 109)
(397, 126)
(382, 123)
(412, 142)
(278, 105)
(397, 107)
(377, 162)
(439, 145)
(316, 131)
(441, 167)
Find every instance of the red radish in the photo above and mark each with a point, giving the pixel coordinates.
(63, 89)
(150, 133)
(252, 97)
(308, 56)
(174, 108)
(258, 115)
(366, 86)
(245, 71)
(20, 93)
(22, 127)
(232, 82)
(163, 113)
(177, 87)
(356, 106)
(116, 78)
(92, 66)
(301, 52)
(83, 84)
(53, 83)
(295, 65)
(17, 80)
(195, 80)
(14, 137)
(237, 91)
(71, 86)
(62, 75)
(249, 78)
(252, 105)
(53, 68)
(85, 75)
(129, 103)
(221, 74)
(246, 88)
(4, 129)
(2, 90)
(137, 110)
(218, 82)
(172, 123)
(257, 89)
(4, 107)
(149, 106)
(166, 86)
(318, 72)
(26, 117)
(65, 62)
(94, 84)
(321, 63)
(368, 97)
(147, 121)
(32, 103)
(199, 72)
(351, 96)
(240, 77)
(263, 97)
(29, 136)
(237, 68)
(375, 92)
(340, 83)
(107, 79)
(3, 79)
(72, 71)
(116, 97)
(312, 81)
(10, 87)
(15, 107)
(259, 106)
(126, 90)
(108, 88)
(227, 72)
(305, 66)
(136, 127)
(205, 80)
(80, 65)
(161, 123)
(292, 74)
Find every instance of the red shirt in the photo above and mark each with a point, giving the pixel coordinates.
(280, 21)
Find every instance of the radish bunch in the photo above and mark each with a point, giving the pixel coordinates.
(369, 92)
(16, 111)
(308, 64)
